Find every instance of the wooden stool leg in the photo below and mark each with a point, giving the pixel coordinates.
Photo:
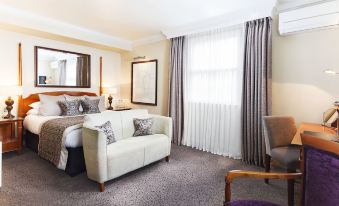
(290, 190)
(267, 165)
(101, 187)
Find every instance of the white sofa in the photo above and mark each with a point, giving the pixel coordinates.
(105, 162)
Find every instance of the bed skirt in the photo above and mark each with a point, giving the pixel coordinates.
(75, 161)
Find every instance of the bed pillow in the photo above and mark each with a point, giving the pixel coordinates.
(70, 98)
(33, 111)
(101, 101)
(106, 128)
(35, 105)
(90, 106)
(70, 108)
(49, 105)
(143, 126)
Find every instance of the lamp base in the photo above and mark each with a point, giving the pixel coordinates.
(9, 102)
(110, 98)
(9, 116)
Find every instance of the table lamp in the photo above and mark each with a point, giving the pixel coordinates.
(10, 91)
(110, 91)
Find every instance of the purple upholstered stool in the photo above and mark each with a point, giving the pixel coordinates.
(249, 203)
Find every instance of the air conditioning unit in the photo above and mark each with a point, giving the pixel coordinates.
(319, 16)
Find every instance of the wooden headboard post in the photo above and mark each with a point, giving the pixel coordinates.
(19, 79)
(35, 98)
(100, 81)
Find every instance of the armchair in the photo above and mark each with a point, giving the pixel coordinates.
(319, 174)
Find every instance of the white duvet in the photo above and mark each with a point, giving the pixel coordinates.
(33, 123)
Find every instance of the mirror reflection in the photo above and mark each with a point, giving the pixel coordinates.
(58, 68)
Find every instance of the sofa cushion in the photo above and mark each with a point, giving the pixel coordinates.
(92, 120)
(156, 147)
(124, 156)
(127, 120)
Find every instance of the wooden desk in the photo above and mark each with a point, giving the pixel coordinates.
(311, 127)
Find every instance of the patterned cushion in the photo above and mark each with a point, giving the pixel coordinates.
(70, 108)
(90, 106)
(143, 126)
(106, 128)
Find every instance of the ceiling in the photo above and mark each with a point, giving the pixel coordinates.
(129, 20)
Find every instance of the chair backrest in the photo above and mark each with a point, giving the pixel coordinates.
(279, 131)
(321, 171)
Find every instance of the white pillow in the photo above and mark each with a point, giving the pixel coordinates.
(49, 105)
(35, 105)
(33, 111)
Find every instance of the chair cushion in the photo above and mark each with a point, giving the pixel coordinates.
(288, 156)
(249, 203)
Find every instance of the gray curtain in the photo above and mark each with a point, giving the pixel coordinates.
(256, 101)
(176, 102)
(62, 72)
(82, 71)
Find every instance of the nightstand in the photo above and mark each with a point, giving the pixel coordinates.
(11, 134)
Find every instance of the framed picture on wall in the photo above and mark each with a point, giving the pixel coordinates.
(144, 82)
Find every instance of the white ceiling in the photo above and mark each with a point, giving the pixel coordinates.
(131, 20)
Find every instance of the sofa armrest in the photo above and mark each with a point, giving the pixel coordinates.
(162, 125)
(95, 152)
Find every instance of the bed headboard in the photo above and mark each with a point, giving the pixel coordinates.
(25, 102)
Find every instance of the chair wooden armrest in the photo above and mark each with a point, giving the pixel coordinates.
(231, 175)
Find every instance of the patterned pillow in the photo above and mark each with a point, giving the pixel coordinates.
(70, 108)
(143, 126)
(106, 128)
(90, 106)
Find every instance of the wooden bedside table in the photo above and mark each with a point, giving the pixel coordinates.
(11, 134)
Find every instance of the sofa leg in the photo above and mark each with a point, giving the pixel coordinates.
(167, 158)
(101, 187)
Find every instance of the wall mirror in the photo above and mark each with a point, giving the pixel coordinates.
(144, 82)
(59, 68)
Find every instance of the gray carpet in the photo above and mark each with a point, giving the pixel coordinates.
(192, 177)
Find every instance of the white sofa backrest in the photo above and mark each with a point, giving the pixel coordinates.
(122, 121)
(127, 120)
(92, 120)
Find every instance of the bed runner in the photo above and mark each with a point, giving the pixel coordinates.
(51, 137)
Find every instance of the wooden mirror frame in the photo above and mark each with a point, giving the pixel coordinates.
(64, 51)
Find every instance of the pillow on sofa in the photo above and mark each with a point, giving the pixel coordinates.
(70, 108)
(49, 105)
(90, 106)
(106, 128)
(143, 126)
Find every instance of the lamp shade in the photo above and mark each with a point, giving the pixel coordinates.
(10, 90)
(109, 90)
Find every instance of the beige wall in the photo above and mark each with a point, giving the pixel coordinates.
(160, 51)
(300, 88)
(9, 63)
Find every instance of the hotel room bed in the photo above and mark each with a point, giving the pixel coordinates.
(73, 162)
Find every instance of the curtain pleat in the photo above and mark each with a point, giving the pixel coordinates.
(213, 88)
(256, 88)
(176, 102)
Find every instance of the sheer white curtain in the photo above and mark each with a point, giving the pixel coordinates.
(212, 91)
